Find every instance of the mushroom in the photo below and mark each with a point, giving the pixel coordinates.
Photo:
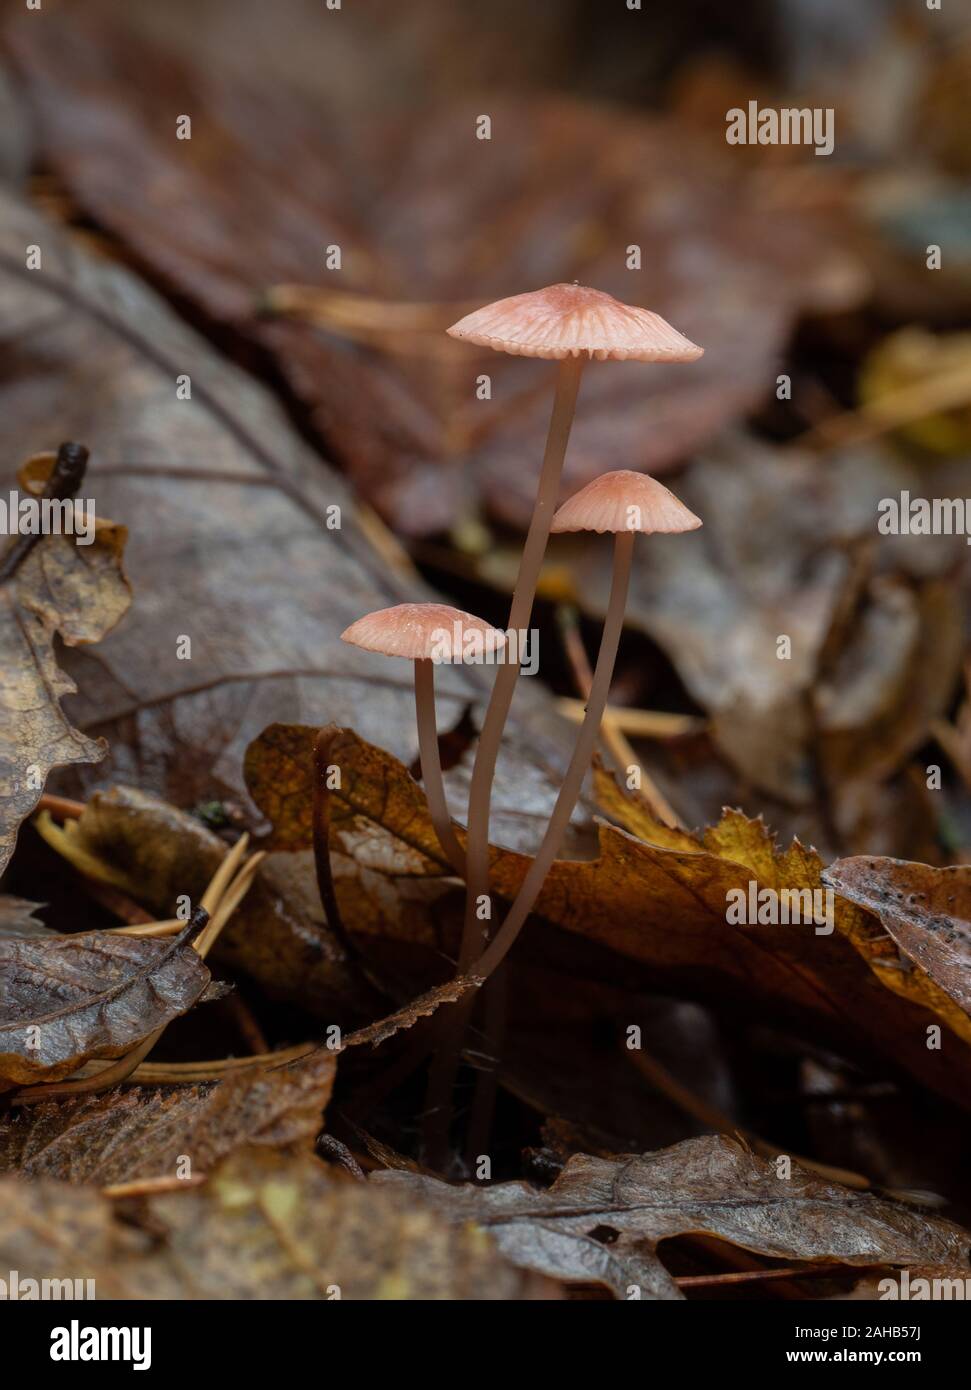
(428, 633)
(621, 503)
(570, 324)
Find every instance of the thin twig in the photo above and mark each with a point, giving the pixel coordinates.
(61, 807)
(891, 411)
(636, 723)
(151, 1187)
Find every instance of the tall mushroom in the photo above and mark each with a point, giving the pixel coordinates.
(623, 504)
(570, 324)
(428, 633)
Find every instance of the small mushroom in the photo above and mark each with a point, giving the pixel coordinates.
(570, 324)
(622, 503)
(428, 633)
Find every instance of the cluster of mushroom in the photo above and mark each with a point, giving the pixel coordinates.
(571, 324)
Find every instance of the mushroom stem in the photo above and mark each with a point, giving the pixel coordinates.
(431, 764)
(480, 791)
(579, 763)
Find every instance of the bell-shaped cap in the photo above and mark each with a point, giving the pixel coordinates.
(571, 320)
(624, 501)
(421, 631)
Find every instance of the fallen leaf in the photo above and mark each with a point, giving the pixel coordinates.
(263, 1227)
(67, 999)
(413, 1012)
(18, 918)
(141, 1132)
(563, 199)
(603, 1218)
(243, 541)
(660, 901)
(64, 587)
(277, 935)
(750, 610)
(927, 911)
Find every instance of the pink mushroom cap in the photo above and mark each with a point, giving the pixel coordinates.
(624, 501)
(422, 631)
(569, 320)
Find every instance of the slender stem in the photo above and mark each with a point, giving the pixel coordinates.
(579, 763)
(431, 764)
(494, 1007)
(480, 791)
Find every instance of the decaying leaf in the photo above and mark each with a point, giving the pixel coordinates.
(927, 911)
(413, 1012)
(726, 264)
(263, 1227)
(660, 897)
(142, 1132)
(277, 935)
(279, 771)
(242, 540)
(807, 635)
(603, 1218)
(18, 918)
(72, 588)
(67, 999)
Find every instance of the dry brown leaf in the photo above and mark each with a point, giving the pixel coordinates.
(603, 1218)
(660, 900)
(18, 918)
(413, 1012)
(67, 999)
(65, 589)
(927, 911)
(263, 1227)
(560, 200)
(235, 544)
(277, 935)
(788, 540)
(140, 1133)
